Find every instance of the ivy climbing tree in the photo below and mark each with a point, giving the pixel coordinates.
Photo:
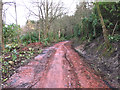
(105, 31)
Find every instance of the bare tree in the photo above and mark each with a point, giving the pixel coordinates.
(1, 29)
(47, 12)
(10, 4)
(18, 37)
(15, 17)
(1, 26)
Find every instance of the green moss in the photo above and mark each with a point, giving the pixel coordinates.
(104, 51)
(108, 51)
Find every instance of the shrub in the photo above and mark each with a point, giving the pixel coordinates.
(114, 38)
(10, 33)
(30, 37)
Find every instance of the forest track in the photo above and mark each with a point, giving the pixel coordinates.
(58, 66)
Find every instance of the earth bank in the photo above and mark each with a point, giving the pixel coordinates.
(105, 63)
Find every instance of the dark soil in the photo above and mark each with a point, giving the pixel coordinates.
(105, 63)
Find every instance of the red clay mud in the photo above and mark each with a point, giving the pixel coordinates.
(58, 66)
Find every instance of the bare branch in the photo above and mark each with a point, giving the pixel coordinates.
(114, 28)
(47, 11)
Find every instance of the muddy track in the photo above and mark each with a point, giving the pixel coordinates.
(58, 66)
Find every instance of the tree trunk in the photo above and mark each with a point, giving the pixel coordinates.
(39, 35)
(1, 22)
(46, 20)
(18, 37)
(105, 31)
(59, 33)
(1, 27)
(30, 37)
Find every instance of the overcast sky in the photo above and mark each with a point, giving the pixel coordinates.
(22, 12)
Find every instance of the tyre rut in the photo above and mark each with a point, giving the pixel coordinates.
(58, 66)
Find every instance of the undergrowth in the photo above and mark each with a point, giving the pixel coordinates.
(14, 57)
(105, 51)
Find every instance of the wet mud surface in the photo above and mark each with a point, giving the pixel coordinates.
(58, 66)
(105, 63)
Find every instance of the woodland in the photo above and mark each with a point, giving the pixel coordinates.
(96, 25)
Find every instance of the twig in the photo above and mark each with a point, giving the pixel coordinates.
(114, 28)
